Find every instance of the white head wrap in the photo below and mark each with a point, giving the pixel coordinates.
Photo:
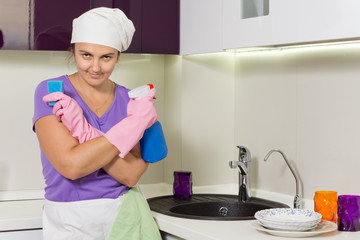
(105, 26)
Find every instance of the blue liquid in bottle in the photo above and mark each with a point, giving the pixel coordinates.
(153, 144)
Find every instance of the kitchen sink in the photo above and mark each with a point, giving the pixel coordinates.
(211, 206)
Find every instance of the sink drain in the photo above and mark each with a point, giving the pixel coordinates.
(223, 211)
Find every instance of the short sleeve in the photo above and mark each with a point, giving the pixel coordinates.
(41, 109)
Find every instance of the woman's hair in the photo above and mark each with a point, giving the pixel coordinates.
(71, 48)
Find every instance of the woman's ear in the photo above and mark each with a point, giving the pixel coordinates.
(72, 50)
(118, 56)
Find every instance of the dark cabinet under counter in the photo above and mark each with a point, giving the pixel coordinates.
(47, 24)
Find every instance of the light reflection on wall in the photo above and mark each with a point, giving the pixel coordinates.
(301, 48)
(15, 23)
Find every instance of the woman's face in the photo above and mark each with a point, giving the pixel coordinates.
(94, 62)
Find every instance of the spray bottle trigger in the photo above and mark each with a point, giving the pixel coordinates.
(151, 86)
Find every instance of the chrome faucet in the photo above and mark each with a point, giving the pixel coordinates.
(297, 198)
(244, 166)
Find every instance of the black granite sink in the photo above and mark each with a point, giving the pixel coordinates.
(211, 207)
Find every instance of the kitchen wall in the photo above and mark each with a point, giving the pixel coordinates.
(199, 93)
(304, 101)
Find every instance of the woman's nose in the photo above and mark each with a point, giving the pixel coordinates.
(95, 67)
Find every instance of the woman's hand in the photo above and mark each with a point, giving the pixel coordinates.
(68, 111)
(127, 170)
(128, 132)
(143, 108)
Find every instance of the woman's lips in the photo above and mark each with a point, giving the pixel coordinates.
(93, 75)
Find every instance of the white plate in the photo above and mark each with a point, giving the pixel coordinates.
(288, 216)
(322, 227)
(287, 227)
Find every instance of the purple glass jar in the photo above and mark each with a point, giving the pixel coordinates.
(349, 213)
(182, 187)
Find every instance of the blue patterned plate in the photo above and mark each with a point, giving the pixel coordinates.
(288, 219)
(322, 227)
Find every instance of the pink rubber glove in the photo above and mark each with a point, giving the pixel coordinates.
(124, 135)
(141, 114)
(68, 111)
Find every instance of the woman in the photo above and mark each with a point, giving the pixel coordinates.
(90, 175)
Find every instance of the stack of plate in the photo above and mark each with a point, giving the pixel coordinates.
(288, 219)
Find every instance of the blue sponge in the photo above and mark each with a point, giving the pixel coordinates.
(55, 86)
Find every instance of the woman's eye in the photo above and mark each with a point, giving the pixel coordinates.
(107, 57)
(85, 55)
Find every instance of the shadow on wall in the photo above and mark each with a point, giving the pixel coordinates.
(4, 172)
(254, 172)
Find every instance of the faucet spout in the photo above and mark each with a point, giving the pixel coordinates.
(297, 198)
(243, 165)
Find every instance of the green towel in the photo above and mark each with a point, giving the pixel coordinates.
(134, 220)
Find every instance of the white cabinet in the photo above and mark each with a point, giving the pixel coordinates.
(21, 219)
(35, 234)
(290, 22)
(200, 26)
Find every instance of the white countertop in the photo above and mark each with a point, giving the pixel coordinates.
(26, 214)
(230, 230)
(234, 230)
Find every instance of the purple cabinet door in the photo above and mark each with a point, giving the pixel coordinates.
(161, 26)
(156, 23)
(53, 22)
(132, 9)
(47, 24)
(15, 28)
(38, 24)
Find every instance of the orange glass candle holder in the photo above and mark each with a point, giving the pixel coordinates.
(326, 204)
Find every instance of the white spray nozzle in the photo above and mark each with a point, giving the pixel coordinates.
(140, 92)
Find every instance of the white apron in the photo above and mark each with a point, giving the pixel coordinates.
(80, 220)
(125, 218)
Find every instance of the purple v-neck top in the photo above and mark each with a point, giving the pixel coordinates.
(97, 184)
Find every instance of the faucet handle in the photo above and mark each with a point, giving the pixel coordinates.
(242, 168)
(233, 164)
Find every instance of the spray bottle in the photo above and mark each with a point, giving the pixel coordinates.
(153, 144)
